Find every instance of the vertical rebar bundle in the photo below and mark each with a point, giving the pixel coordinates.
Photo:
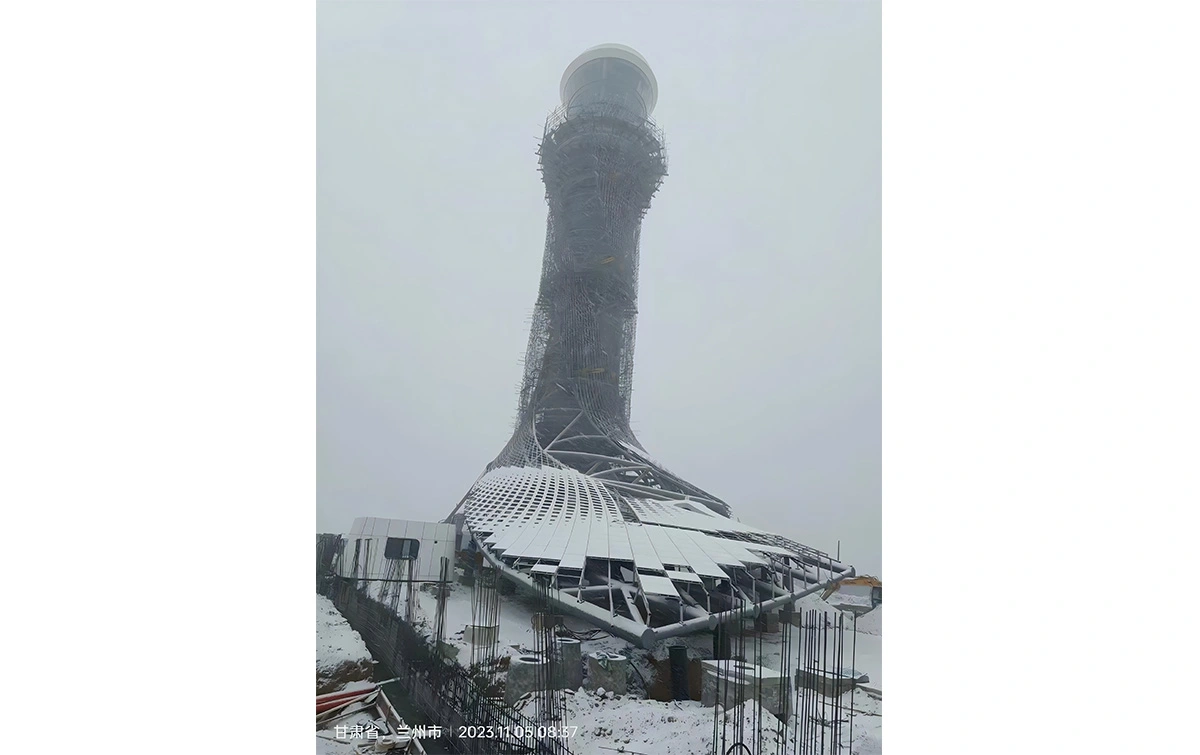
(443, 592)
(549, 697)
(485, 614)
(808, 699)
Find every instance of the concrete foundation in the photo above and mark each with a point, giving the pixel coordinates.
(609, 671)
(569, 660)
(525, 674)
(739, 682)
(830, 684)
(479, 634)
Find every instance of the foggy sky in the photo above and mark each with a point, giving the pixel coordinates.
(757, 369)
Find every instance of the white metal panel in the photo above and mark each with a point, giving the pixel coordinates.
(556, 547)
(695, 555)
(619, 546)
(658, 512)
(658, 585)
(667, 551)
(517, 546)
(735, 550)
(540, 546)
(683, 576)
(644, 554)
(724, 552)
(576, 548)
(507, 536)
(768, 549)
(572, 561)
(598, 539)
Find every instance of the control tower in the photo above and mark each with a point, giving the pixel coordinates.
(573, 499)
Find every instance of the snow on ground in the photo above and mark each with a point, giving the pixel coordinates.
(335, 747)
(649, 727)
(666, 728)
(637, 725)
(329, 743)
(866, 721)
(516, 623)
(871, 623)
(343, 661)
(516, 629)
(336, 641)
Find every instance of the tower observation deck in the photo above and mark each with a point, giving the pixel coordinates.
(573, 498)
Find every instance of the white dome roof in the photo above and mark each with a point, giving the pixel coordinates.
(612, 50)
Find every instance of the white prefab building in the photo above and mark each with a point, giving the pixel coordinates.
(383, 550)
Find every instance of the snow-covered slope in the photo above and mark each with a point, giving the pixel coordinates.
(342, 656)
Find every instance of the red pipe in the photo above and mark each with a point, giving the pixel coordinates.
(334, 699)
(323, 707)
(345, 693)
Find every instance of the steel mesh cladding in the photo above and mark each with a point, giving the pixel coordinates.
(573, 500)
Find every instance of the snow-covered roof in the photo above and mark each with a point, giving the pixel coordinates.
(565, 516)
(540, 521)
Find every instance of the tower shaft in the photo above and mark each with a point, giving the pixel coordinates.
(601, 166)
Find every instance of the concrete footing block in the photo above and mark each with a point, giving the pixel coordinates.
(830, 683)
(609, 671)
(739, 682)
(525, 674)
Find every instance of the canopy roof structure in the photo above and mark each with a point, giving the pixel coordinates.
(645, 568)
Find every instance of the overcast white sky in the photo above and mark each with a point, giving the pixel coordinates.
(758, 347)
